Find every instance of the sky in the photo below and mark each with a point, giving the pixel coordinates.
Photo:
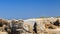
(24, 9)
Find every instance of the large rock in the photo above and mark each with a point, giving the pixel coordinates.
(3, 32)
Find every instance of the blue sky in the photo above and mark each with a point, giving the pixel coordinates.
(29, 8)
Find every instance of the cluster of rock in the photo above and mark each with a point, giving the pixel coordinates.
(30, 26)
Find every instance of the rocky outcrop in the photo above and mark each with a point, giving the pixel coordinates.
(34, 26)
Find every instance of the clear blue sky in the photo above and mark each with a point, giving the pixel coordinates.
(29, 8)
